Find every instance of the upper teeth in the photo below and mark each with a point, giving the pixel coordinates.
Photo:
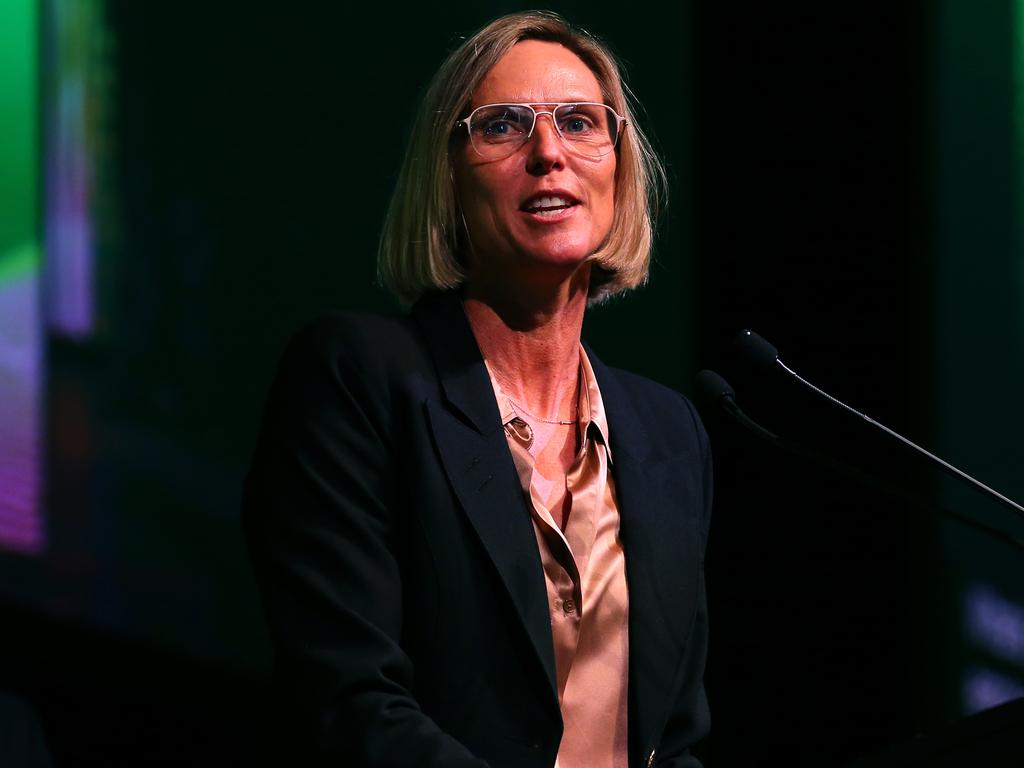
(549, 202)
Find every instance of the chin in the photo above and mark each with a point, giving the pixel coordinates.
(560, 265)
(561, 255)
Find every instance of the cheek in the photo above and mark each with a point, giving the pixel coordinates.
(482, 213)
(607, 198)
(479, 196)
(468, 197)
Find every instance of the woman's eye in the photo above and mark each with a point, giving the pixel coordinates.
(496, 124)
(576, 124)
(497, 128)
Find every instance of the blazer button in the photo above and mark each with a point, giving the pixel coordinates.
(650, 759)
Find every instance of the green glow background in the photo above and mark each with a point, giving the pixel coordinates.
(19, 186)
(976, 326)
(21, 528)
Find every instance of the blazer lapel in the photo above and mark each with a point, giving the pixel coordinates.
(660, 536)
(473, 448)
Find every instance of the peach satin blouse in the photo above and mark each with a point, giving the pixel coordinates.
(585, 571)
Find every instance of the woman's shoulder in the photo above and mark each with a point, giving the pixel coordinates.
(341, 330)
(349, 356)
(662, 410)
(652, 395)
(355, 339)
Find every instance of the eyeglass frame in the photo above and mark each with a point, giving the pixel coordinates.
(620, 124)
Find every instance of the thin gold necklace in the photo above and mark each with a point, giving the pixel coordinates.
(535, 417)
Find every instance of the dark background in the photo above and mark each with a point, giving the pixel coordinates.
(843, 180)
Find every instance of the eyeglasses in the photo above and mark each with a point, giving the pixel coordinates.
(497, 130)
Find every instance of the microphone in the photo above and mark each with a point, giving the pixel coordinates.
(717, 390)
(762, 356)
(755, 351)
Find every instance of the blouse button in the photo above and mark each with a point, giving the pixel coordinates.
(569, 606)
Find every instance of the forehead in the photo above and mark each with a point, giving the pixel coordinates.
(538, 72)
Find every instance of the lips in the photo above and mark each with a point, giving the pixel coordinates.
(548, 203)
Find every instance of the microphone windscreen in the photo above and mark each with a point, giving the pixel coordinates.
(754, 351)
(713, 386)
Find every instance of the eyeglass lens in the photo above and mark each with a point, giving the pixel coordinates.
(500, 129)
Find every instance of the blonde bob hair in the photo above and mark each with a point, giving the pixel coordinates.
(422, 245)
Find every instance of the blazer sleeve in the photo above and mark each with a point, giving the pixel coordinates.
(324, 535)
(689, 720)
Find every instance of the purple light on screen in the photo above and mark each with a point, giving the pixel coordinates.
(21, 524)
(994, 623)
(984, 689)
(69, 237)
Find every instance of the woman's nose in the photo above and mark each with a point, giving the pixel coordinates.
(546, 146)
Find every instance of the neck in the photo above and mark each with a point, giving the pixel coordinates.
(530, 339)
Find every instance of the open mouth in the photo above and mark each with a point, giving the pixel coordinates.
(548, 205)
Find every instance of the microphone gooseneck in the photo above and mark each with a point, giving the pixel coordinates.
(717, 390)
(762, 356)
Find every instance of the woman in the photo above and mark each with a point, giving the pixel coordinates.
(477, 544)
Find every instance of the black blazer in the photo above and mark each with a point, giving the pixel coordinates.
(398, 564)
